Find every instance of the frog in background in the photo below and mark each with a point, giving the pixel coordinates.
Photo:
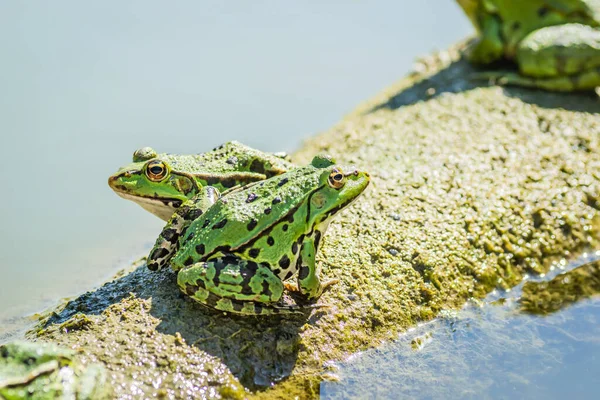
(555, 43)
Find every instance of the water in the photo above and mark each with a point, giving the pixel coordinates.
(86, 83)
(541, 340)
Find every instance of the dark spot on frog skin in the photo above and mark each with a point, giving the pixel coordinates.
(254, 252)
(285, 227)
(232, 160)
(284, 262)
(276, 271)
(283, 182)
(251, 197)
(317, 239)
(228, 183)
(516, 25)
(276, 200)
(303, 272)
(257, 166)
(266, 289)
(170, 235)
(258, 309)
(270, 241)
(188, 261)
(294, 248)
(237, 306)
(288, 275)
(159, 253)
(251, 225)
(193, 214)
(543, 11)
(212, 181)
(268, 210)
(206, 222)
(220, 224)
(200, 249)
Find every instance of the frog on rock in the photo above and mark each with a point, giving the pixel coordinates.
(161, 183)
(555, 43)
(234, 252)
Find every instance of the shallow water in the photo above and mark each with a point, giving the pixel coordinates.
(84, 84)
(540, 340)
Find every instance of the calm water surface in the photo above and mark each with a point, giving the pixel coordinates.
(541, 340)
(84, 84)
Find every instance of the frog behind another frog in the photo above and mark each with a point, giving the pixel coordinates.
(555, 43)
(234, 252)
(161, 183)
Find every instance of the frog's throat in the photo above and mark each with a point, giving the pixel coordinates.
(163, 208)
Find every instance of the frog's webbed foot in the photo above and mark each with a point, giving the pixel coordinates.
(304, 299)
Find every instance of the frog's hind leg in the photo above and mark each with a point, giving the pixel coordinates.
(168, 240)
(560, 58)
(234, 285)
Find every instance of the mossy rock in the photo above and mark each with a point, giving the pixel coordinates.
(473, 186)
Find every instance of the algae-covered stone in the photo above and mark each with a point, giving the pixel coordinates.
(472, 187)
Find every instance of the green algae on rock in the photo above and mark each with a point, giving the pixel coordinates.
(472, 188)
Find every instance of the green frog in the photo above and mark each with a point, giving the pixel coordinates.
(45, 371)
(555, 43)
(161, 183)
(234, 252)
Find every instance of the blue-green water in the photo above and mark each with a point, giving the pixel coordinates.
(541, 340)
(85, 83)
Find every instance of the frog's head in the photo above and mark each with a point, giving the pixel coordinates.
(150, 182)
(338, 187)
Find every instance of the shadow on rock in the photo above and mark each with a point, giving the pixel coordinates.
(258, 350)
(461, 76)
(543, 298)
(577, 101)
(448, 80)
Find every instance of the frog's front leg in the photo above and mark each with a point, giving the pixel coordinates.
(309, 284)
(168, 240)
(234, 285)
(488, 48)
(560, 58)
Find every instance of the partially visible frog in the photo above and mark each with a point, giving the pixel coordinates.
(45, 371)
(555, 43)
(233, 253)
(160, 183)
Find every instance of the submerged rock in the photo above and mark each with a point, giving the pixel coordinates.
(472, 187)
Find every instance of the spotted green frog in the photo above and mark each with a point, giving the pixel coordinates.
(555, 43)
(45, 371)
(160, 183)
(234, 252)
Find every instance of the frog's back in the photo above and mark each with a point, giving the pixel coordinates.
(231, 157)
(246, 214)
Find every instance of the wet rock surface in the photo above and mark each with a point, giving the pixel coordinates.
(472, 187)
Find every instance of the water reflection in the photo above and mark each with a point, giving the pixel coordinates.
(546, 297)
(499, 349)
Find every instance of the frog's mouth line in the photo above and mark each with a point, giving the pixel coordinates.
(169, 202)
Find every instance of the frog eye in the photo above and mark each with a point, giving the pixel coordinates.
(156, 170)
(336, 179)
